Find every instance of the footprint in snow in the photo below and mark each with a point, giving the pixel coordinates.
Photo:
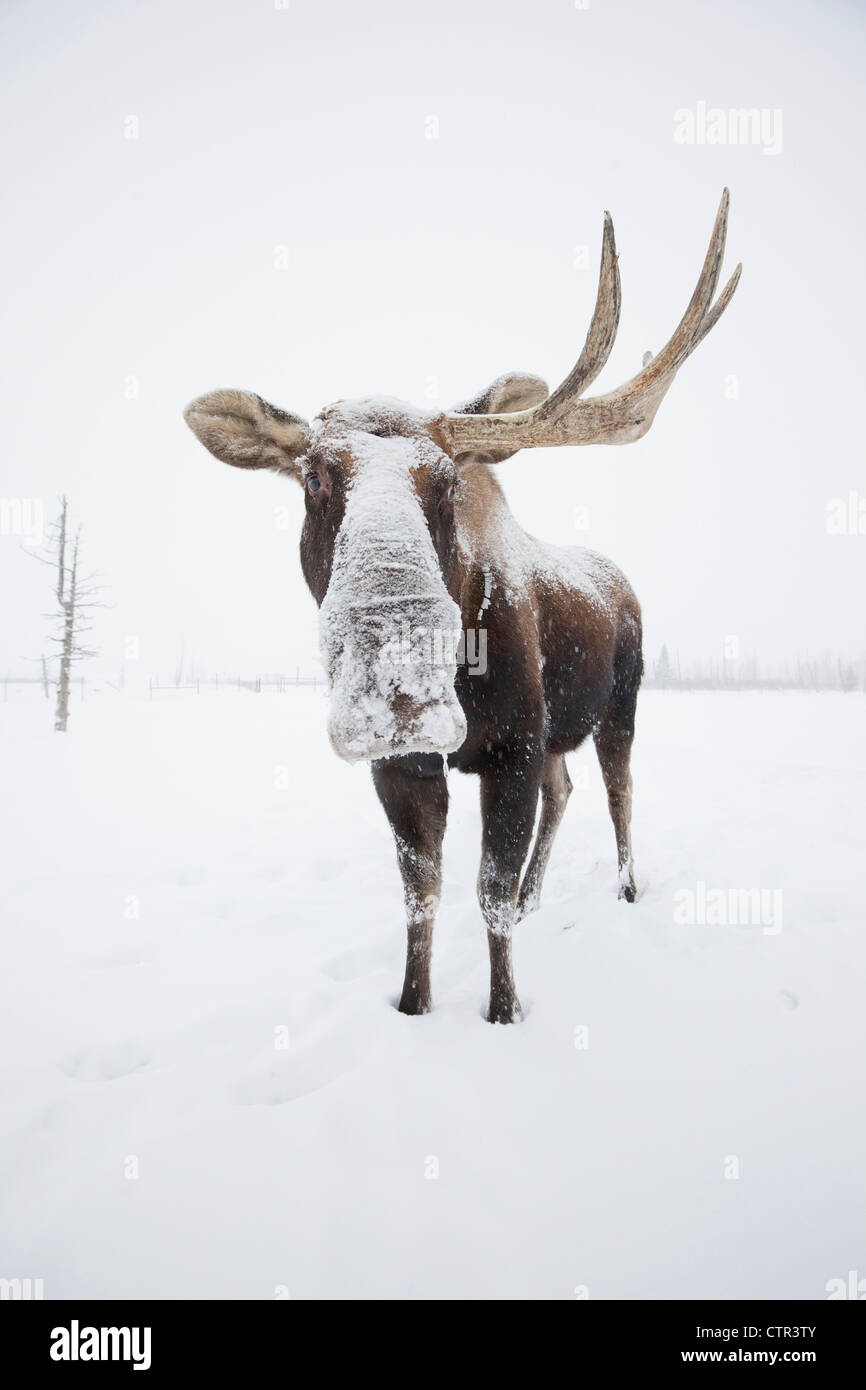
(361, 960)
(187, 878)
(117, 961)
(106, 1063)
(288, 1078)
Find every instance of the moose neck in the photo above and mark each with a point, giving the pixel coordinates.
(487, 534)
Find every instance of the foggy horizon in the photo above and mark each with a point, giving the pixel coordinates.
(164, 240)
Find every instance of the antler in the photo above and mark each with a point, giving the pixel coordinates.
(622, 415)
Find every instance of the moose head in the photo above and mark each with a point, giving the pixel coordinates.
(381, 482)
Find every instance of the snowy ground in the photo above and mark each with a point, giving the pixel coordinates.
(202, 946)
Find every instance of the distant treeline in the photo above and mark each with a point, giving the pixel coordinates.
(826, 672)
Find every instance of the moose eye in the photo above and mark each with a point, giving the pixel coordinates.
(452, 492)
(314, 482)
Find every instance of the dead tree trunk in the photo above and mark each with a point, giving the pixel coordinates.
(74, 600)
(68, 595)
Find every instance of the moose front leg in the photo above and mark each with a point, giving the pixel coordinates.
(414, 794)
(509, 796)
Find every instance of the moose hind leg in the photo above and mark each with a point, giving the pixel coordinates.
(555, 791)
(613, 745)
(414, 794)
(509, 795)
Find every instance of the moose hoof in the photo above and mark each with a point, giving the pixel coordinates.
(627, 892)
(505, 1011)
(413, 1003)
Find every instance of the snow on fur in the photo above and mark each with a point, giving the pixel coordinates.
(388, 696)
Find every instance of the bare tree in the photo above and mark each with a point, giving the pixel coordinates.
(664, 670)
(847, 676)
(75, 594)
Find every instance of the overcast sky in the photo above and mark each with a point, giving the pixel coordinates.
(332, 200)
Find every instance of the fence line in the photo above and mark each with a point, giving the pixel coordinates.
(154, 686)
(257, 684)
(846, 680)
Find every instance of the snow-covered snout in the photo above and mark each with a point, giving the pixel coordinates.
(389, 629)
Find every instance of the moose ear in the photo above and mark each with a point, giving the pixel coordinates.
(513, 391)
(239, 428)
(508, 393)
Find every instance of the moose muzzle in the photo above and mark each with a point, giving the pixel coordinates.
(391, 666)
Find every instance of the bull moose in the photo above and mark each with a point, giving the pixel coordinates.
(407, 528)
